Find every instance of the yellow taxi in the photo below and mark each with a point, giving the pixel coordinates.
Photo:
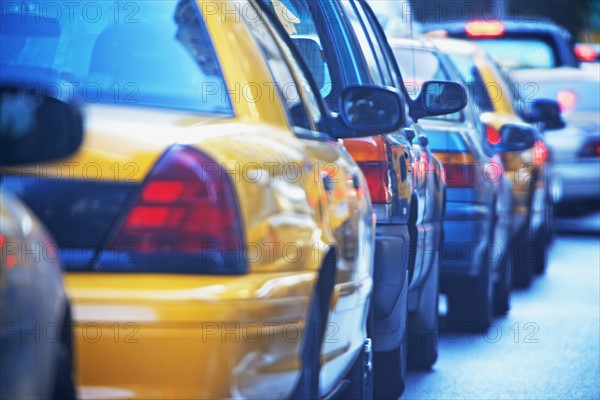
(528, 169)
(218, 238)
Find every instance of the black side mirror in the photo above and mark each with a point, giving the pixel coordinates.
(438, 98)
(36, 128)
(546, 112)
(515, 137)
(368, 110)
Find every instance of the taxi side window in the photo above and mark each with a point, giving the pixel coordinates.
(284, 80)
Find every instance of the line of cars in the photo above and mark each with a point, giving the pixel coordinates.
(266, 202)
(219, 243)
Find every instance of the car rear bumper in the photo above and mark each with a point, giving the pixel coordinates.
(165, 338)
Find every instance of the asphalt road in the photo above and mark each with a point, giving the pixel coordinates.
(548, 347)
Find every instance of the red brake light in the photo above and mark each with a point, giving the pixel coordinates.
(540, 152)
(484, 28)
(370, 155)
(566, 100)
(376, 174)
(492, 135)
(163, 191)
(187, 212)
(586, 53)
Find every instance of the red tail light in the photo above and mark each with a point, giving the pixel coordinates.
(484, 28)
(185, 216)
(370, 155)
(540, 152)
(586, 53)
(376, 174)
(493, 136)
(459, 169)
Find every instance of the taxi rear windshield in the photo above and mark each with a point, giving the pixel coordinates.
(146, 53)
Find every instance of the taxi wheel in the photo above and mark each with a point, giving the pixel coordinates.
(64, 387)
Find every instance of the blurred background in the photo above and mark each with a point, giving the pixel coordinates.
(580, 17)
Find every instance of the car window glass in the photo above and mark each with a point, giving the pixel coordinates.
(473, 81)
(298, 22)
(340, 51)
(418, 66)
(377, 43)
(520, 52)
(369, 49)
(397, 18)
(159, 56)
(396, 79)
(309, 95)
(284, 80)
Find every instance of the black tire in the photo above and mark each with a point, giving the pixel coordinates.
(502, 288)
(308, 385)
(541, 258)
(470, 303)
(389, 375)
(540, 251)
(64, 386)
(360, 376)
(549, 222)
(422, 350)
(423, 345)
(523, 262)
(545, 239)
